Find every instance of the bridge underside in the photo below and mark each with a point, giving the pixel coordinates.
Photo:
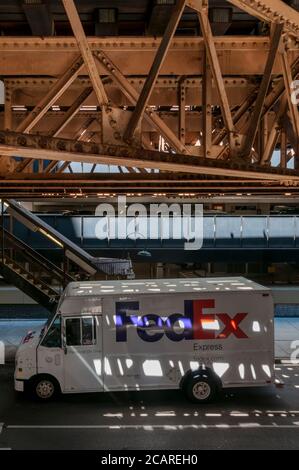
(179, 96)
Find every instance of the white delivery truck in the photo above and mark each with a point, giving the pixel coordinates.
(199, 335)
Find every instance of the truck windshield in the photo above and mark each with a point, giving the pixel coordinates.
(46, 325)
(53, 335)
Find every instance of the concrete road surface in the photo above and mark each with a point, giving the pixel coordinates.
(244, 419)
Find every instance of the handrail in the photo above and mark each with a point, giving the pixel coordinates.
(75, 253)
(35, 256)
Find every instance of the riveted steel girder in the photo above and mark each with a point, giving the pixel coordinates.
(274, 11)
(47, 148)
(47, 57)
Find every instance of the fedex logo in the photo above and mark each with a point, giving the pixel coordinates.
(194, 324)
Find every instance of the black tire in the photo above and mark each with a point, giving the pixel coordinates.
(44, 388)
(201, 388)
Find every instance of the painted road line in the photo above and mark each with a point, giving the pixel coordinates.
(156, 426)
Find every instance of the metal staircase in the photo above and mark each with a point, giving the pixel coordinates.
(36, 275)
(31, 272)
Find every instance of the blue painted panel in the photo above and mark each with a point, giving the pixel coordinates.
(281, 232)
(208, 232)
(228, 232)
(254, 232)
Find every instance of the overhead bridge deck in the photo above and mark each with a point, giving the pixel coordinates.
(246, 238)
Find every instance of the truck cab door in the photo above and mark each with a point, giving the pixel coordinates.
(82, 362)
(50, 352)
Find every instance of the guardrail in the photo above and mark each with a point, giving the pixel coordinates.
(246, 232)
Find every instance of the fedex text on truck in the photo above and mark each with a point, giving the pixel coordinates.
(194, 321)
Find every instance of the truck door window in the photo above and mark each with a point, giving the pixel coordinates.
(53, 336)
(73, 332)
(87, 331)
(80, 331)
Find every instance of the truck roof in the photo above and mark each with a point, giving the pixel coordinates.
(162, 286)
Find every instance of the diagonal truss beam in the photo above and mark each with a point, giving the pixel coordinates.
(85, 50)
(48, 148)
(271, 11)
(245, 151)
(273, 96)
(132, 95)
(155, 69)
(288, 79)
(206, 107)
(59, 87)
(72, 111)
(216, 71)
(50, 166)
(237, 116)
(275, 132)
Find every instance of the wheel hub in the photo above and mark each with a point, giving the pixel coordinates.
(201, 390)
(45, 389)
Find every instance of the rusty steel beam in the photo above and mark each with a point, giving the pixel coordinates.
(7, 107)
(283, 148)
(274, 95)
(155, 69)
(245, 149)
(272, 11)
(35, 57)
(288, 79)
(130, 92)
(217, 75)
(63, 167)
(275, 132)
(161, 177)
(71, 112)
(182, 110)
(50, 167)
(68, 186)
(237, 116)
(136, 44)
(272, 98)
(207, 108)
(85, 50)
(83, 133)
(279, 88)
(134, 181)
(48, 148)
(59, 87)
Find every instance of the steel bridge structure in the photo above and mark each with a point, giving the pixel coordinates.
(148, 96)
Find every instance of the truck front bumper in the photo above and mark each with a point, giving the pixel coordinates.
(19, 385)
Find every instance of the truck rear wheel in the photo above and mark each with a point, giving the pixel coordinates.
(201, 389)
(44, 388)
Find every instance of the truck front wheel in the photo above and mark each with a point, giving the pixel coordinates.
(201, 389)
(44, 388)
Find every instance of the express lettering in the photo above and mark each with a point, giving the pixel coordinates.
(193, 325)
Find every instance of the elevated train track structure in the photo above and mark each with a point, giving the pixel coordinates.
(158, 96)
